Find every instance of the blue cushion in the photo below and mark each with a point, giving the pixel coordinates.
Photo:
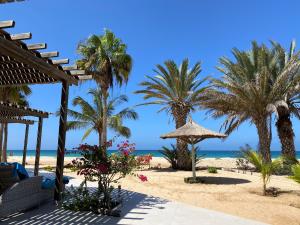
(21, 171)
(66, 180)
(48, 183)
(7, 164)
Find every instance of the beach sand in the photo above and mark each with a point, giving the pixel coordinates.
(230, 192)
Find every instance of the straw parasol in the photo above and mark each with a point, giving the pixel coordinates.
(193, 133)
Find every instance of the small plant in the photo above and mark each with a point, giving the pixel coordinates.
(48, 168)
(212, 170)
(242, 164)
(265, 168)
(170, 154)
(296, 173)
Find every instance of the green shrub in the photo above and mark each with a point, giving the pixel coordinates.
(192, 180)
(286, 166)
(212, 170)
(48, 168)
(296, 173)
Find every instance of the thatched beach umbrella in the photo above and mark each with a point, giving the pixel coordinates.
(192, 133)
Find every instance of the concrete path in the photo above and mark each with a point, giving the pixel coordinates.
(149, 210)
(137, 209)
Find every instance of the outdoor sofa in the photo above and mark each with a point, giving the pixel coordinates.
(21, 194)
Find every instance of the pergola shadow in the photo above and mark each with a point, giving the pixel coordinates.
(134, 208)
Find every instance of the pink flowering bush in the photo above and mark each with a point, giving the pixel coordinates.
(96, 165)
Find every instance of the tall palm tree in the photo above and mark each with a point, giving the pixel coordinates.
(289, 104)
(178, 90)
(90, 116)
(17, 95)
(106, 59)
(245, 92)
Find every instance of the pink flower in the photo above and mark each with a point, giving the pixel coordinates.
(102, 168)
(143, 178)
(125, 153)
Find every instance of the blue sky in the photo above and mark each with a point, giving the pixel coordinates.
(154, 30)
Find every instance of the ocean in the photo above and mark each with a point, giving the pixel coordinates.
(155, 153)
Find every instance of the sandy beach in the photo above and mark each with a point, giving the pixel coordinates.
(232, 192)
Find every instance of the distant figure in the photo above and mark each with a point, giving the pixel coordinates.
(11, 153)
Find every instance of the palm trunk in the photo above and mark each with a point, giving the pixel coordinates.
(264, 188)
(286, 135)
(4, 152)
(184, 161)
(104, 123)
(99, 138)
(1, 141)
(264, 138)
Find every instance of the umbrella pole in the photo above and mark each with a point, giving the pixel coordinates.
(193, 162)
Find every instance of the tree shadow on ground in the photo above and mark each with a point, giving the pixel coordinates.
(223, 180)
(134, 207)
(162, 169)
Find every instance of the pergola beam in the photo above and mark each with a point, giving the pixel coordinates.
(77, 72)
(16, 110)
(22, 55)
(49, 54)
(72, 67)
(7, 24)
(60, 61)
(22, 36)
(36, 46)
(15, 120)
(85, 77)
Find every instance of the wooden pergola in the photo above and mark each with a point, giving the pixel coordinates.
(7, 1)
(23, 64)
(13, 113)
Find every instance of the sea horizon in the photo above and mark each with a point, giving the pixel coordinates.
(154, 153)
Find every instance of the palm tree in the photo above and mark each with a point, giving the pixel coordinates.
(288, 105)
(265, 168)
(17, 95)
(178, 90)
(90, 116)
(245, 92)
(106, 59)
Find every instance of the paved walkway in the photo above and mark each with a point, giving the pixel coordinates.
(137, 209)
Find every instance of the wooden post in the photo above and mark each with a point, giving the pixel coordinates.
(1, 140)
(61, 140)
(193, 162)
(25, 145)
(4, 148)
(38, 147)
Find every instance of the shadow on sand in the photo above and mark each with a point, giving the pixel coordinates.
(223, 180)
